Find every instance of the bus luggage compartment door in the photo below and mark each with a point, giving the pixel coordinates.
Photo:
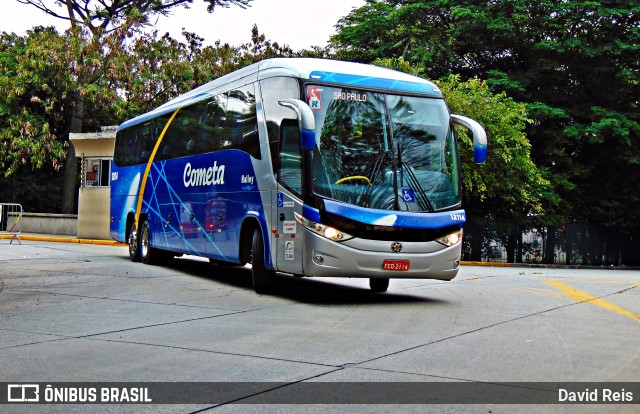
(288, 234)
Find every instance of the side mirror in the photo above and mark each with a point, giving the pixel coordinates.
(479, 136)
(306, 121)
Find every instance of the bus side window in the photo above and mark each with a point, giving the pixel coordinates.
(120, 153)
(147, 140)
(242, 120)
(291, 156)
(182, 132)
(214, 131)
(208, 120)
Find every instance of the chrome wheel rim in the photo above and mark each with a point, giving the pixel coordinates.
(144, 245)
(132, 242)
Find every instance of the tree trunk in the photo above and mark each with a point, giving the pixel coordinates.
(550, 246)
(569, 245)
(476, 244)
(70, 185)
(512, 245)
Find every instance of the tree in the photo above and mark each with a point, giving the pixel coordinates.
(157, 69)
(98, 32)
(33, 85)
(576, 64)
(100, 16)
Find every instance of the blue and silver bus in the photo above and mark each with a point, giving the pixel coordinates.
(309, 167)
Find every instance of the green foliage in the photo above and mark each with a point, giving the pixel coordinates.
(509, 183)
(576, 64)
(156, 69)
(399, 64)
(33, 85)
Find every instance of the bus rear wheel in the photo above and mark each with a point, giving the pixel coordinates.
(379, 285)
(148, 254)
(134, 246)
(264, 279)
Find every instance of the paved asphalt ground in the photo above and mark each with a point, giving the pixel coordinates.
(85, 313)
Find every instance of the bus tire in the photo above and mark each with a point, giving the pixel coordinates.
(134, 243)
(148, 254)
(379, 285)
(264, 279)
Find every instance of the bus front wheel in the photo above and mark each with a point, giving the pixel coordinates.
(264, 279)
(379, 285)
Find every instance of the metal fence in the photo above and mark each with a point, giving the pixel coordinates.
(570, 244)
(11, 221)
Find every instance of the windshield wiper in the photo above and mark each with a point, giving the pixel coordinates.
(377, 164)
(423, 201)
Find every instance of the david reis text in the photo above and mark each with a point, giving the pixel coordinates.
(604, 395)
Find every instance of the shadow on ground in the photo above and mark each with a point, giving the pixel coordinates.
(305, 290)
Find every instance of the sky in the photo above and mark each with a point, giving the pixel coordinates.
(297, 23)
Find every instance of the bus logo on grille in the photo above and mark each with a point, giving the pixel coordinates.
(396, 247)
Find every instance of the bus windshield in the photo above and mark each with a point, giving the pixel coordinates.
(383, 151)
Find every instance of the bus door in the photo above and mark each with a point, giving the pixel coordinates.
(289, 231)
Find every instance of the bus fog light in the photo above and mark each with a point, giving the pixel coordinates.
(456, 264)
(318, 259)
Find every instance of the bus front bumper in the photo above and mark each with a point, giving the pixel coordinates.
(366, 258)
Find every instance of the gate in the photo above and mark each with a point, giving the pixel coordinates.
(11, 221)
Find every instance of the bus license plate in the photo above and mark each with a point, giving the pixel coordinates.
(397, 265)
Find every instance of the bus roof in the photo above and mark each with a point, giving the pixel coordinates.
(320, 70)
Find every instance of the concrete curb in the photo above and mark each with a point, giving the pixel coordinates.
(70, 239)
(63, 239)
(487, 264)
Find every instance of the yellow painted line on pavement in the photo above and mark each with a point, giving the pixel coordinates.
(66, 240)
(546, 292)
(585, 297)
(473, 279)
(608, 280)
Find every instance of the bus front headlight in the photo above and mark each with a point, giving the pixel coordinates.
(451, 239)
(325, 231)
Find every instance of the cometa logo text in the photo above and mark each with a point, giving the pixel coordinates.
(196, 177)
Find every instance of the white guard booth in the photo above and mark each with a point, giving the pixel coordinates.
(95, 151)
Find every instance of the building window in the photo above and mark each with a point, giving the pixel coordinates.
(96, 172)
